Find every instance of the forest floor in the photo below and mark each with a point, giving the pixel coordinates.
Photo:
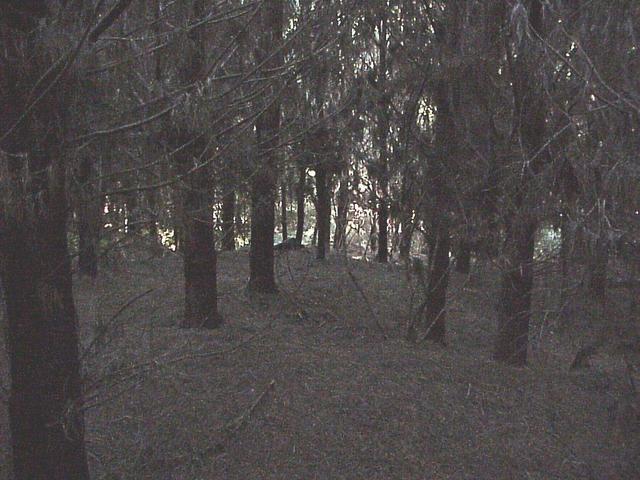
(304, 385)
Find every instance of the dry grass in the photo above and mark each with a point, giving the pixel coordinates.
(303, 385)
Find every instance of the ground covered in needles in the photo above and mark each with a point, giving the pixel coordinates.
(318, 382)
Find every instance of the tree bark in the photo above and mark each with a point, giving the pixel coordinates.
(263, 188)
(382, 255)
(406, 217)
(89, 219)
(45, 419)
(340, 233)
(514, 311)
(323, 210)
(463, 257)
(200, 259)
(229, 221)
(302, 182)
(438, 283)
(283, 210)
(196, 232)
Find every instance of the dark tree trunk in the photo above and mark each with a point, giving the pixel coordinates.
(373, 235)
(463, 257)
(302, 182)
(89, 216)
(323, 209)
(438, 283)
(40, 327)
(197, 230)
(566, 240)
(406, 234)
(382, 255)
(229, 221)
(261, 260)
(152, 222)
(383, 219)
(514, 311)
(263, 188)
(132, 208)
(340, 235)
(178, 237)
(46, 424)
(597, 274)
(446, 95)
(406, 217)
(198, 249)
(283, 210)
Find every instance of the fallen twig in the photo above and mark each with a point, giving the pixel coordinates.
(366, 301)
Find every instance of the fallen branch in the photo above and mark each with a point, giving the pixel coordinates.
(235, 424)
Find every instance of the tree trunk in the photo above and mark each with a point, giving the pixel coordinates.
(283, 210)
(514, 311)
(597, 274)
(151, 197)
(41, 333)
(406, 215)
(89, 217)
(323, 210)
(229, 221)
(463, 257)
(382, 255)
(406, 234)
(263, 188)
(340, 235)
(438, 283)
(132, 208)
(198, 248)
(47, 427)
(302, 181)
(383, 219)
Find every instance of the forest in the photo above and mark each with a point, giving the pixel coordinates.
(332, 239)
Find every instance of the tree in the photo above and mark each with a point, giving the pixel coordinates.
(269, 57)
(46, 422)
(521, 224)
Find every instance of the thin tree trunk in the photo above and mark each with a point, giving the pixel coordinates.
(283, 210)
(406, 234)
(229, 221)
(132, 208)
(382, 255)
(340, 235)
(152, 222)
(300, 189)
(383, 220)
(323, 210)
